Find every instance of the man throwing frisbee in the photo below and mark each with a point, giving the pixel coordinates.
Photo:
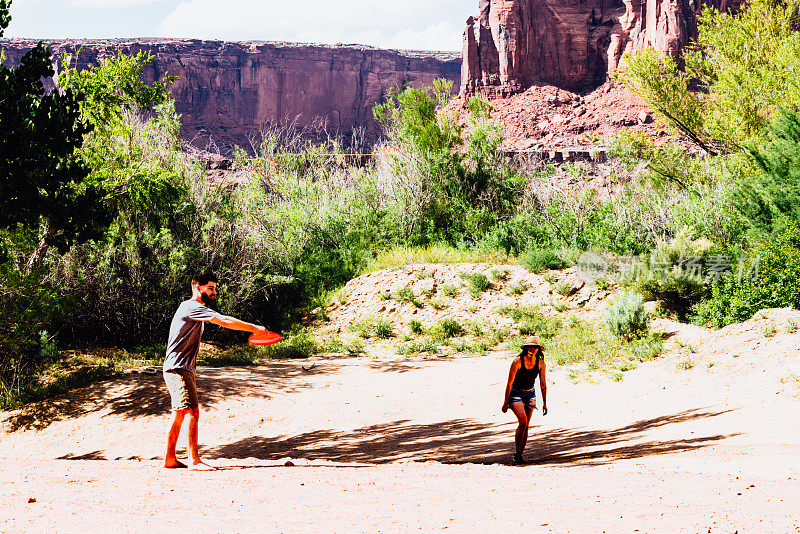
(181, 360)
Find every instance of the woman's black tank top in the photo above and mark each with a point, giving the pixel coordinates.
(526, 378)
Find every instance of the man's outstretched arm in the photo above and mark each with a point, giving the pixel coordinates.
(235, 324)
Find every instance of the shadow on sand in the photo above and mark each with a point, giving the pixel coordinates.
(468, 441)
(136, 395)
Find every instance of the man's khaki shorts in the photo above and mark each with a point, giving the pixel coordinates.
(182, 388)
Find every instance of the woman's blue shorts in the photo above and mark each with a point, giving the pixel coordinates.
(527, 398)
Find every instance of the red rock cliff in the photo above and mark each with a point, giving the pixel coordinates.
(572, 44)
(227, 90)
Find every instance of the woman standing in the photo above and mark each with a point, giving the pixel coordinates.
(521, 391)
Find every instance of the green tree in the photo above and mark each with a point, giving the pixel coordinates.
(741, 70)
(5, 18)
(461, 188)
(42, 182)
(775, 193)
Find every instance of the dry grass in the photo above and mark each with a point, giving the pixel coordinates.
(397, 257)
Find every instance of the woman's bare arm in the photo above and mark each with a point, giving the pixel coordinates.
(512, 372)
(543, 384)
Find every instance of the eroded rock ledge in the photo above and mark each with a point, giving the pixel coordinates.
(571, 44)
(228, 91)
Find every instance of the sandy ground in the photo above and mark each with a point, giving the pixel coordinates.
(382, 445)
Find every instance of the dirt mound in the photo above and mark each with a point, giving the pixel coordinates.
(430, 293)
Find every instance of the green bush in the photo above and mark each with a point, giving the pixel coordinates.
(626, 317)
(648, 347)
(406, 294)
(299, 345)
(478, 283)
(415, 326)
(532, 320)
(384, 329)
(29, 309)
(517, 288)
(240, 355)
(537, 261)
(564, 287)
(776, 284)
(448, 327)
(498, 275)
(450, 290)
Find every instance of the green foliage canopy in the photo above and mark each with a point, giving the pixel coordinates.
(42, 182)
(742, 68)
(5, 18)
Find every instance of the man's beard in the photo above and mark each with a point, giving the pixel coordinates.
(206, 299)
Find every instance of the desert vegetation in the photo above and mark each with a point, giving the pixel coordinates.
(103, 220)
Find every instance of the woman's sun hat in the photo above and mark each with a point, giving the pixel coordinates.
(532, 341)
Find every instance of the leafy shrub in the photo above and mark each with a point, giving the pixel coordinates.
(428, 346)
(415, 326)
(29, 308)
(532, 320)
(405, 294)
(776, 284)
(517, 288)
(498, 275)
(602, 283)
(384, 329)
(564, 287)
(450, 290)
(646, 348)
(436, 304)
(537, 261)
(239, 355)
(626, 317)
(355, 347)
(448, 327)
(333, 344)
(299, 345)
(364, 326)
(478, 283)
(679, 283)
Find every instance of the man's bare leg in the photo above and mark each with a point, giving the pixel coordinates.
(197, 463)
(170, 460)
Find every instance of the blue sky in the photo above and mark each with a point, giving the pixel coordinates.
(410, 24)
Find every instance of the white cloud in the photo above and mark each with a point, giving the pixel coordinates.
(415, 24)
(112, 4)
(99, 4)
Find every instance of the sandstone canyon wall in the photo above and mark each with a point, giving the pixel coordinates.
(572, 44)
(227, 91)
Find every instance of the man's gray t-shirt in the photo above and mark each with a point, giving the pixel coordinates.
(184, 335)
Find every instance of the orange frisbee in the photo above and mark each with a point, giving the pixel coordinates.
(267, 338)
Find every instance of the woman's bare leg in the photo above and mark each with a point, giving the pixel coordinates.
(521, 434)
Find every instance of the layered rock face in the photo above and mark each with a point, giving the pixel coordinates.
(228, 91)
(572, 44)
